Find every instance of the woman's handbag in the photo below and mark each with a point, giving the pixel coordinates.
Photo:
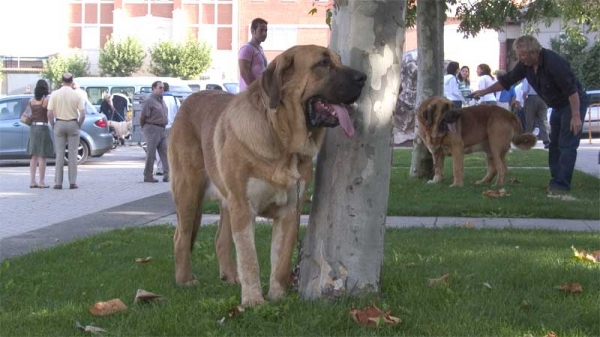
(26, 116)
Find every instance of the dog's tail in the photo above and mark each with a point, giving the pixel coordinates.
(523, 141)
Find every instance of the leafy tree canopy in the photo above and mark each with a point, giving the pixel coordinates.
(121, 58)
(184, 60)
(572, 45)
(492, 14)
(73, 62)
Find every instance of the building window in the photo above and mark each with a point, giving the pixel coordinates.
(90, 37)
(280, 37)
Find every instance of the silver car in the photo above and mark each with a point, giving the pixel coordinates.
(95, 138)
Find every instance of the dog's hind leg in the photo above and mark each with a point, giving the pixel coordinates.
(187, 185)
(223, 240)
(491, 169)
(500, 164)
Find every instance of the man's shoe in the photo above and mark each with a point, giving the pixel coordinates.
(57, 187)
(546, 145)
(165, 180)
(560, 194)
(73, 186)
(159, 173)
(152, 180)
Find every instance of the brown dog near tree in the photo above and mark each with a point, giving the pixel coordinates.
(253, 153)
(455, 132)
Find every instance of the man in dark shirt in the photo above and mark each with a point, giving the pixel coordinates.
(553, 79)
(153, 120)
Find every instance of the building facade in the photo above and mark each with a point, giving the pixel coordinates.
(223, 24)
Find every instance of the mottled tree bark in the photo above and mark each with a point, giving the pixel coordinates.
(343, 248)
(430, 40)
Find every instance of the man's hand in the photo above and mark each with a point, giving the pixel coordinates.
(576, 124)
(478, 93)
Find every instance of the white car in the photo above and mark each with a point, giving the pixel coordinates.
(592, 116)
(229, 86)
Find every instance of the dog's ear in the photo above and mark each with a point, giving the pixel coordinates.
(429, 114)
(272, 78)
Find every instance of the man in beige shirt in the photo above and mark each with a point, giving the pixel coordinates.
(66, 114)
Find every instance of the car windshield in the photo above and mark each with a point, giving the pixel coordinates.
(232, 87)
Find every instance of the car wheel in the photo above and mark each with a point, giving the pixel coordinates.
(83, 151)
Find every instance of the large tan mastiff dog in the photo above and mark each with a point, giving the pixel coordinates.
(455, 132)
(253, 152)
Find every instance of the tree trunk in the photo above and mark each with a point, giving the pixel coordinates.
(430, 40)
(343, 248)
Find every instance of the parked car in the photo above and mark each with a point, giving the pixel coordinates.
(95, 138)
(592, 115)
(229, 86)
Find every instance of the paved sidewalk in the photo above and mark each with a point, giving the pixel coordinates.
(112, 195)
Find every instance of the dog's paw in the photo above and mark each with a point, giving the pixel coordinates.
(275, 293)
(251, 301)
(191, 283)
(230, 279)
(479, 182)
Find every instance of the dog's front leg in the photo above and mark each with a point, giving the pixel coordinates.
(457, 166)
(438, 166)
(247, 261)
(285, 232)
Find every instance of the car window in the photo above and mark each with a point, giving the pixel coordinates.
(233, 88)
(213, 87)
(10, 109)
(194, 87)
(96, 94)
(145, 90)
(594, 98)
(127, 91)
(178, 88)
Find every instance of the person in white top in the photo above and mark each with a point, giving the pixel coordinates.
(485, 80)
(451, 90)
(536, 112)
(519, 103)
(172, 107)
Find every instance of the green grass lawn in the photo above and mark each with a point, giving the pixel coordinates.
(44, 293)
(414, 197)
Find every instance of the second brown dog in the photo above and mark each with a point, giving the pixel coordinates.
(455, 132)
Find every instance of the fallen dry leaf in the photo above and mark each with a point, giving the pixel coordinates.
(89, 328)
(372, 316)
(551, 334)
(514, 181)
(570, 288)
(143, 260)
(234, 311)
(411, 265)
(501, 193)
(487, 285)
(444, 279)
(108, 308)
(145, 296)
(469, 224)
(585, 256)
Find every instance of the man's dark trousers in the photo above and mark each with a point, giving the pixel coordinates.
(563, 145)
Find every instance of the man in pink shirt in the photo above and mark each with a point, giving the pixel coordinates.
(251, 57)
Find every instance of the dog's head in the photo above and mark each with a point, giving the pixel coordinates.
(437, 117)
(315, 78)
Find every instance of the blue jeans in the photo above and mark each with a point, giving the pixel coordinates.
(562, 152)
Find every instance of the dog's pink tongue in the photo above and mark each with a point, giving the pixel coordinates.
(344, 118)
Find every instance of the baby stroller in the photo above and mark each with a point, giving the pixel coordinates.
(118, 126)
